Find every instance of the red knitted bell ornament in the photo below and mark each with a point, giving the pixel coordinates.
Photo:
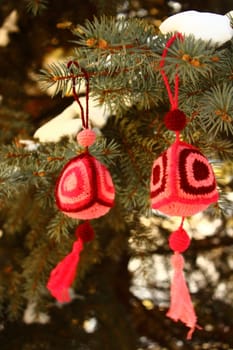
(182, 184)
(84, 190)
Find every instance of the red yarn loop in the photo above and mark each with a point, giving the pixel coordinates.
(175, 120)
(173, 97)
(84, 116)
(179, 240)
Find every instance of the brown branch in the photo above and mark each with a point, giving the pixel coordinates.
(14, 155)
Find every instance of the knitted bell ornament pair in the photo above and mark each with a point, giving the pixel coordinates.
(84, 190)
(182, 184)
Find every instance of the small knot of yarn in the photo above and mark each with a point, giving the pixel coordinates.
(175, 120)
(86, 137)
(85, 232)
(179, 240)
(177, 261)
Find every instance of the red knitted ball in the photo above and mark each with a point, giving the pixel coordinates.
(179, 240)
(85, 232)
(86, 137)
(175, 120)
(84, 189)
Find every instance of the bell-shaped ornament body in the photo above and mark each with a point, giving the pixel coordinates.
(182, 181)
(84, 189)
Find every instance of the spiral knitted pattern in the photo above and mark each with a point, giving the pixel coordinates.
(182, 181)
(84, 189)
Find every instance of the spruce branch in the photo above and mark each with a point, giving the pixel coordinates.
(60, 226)
(36, 7)
(35, 269)
(107, 7)
(58, 75)
(122, 59)
(216, 110)
(102, 33)
(15, 291)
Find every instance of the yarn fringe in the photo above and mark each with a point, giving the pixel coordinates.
(63, 275)
(181, 307)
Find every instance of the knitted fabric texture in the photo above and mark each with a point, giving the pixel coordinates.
(86, 137)
(84, 189)
(182, 181)
(179, 240)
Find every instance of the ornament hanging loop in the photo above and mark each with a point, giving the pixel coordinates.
(84, 116)
(172, 98)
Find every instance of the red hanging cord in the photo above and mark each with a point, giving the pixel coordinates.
(173, 99)
(84, 117)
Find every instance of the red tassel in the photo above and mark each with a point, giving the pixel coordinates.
(181, 307)
(63, 275)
